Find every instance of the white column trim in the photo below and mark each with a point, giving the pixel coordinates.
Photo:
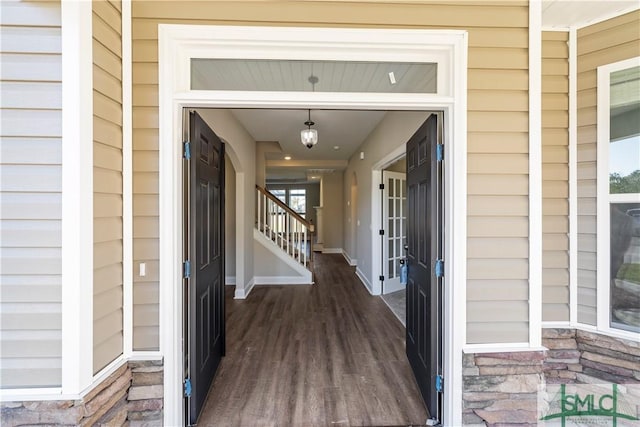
(535, 173)
(455, 325)
(77, 197)
(573, 176)
(127, 181)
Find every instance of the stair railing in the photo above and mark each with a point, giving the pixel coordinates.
(285, 227)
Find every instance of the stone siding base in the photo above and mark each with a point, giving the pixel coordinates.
(501, 389)
(131, 396)
(582, 357)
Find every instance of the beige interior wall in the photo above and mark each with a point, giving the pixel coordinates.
(229, 221)
(393, 131)
(30, 194)
(107, 182)
(555, 176)
(600, 44)
(497, 291)
(267, 264)
(262, 148)
(332, 210)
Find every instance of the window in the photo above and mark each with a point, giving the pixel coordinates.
(619, 196)
(280, 194)
(331, 76)
(295, 198)
(298, 200)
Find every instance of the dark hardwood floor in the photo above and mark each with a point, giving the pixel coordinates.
(327, 354)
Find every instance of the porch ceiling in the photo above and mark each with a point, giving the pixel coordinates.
(578, 13)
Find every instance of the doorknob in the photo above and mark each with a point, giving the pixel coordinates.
(406, 247)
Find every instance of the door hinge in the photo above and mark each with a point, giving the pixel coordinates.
(381, 278)
(440, 152)
(187, 150)
(186, 268)
(381, 232)
(187, 387)
(439, 383)
(439, 268)
(382, 186)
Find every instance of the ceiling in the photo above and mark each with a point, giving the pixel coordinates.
(346, 130)
(578, 13)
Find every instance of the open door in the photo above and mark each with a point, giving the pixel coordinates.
(424, 248)
(395, 237)
(204, 265)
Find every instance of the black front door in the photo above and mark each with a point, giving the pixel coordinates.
(204, 296)
(424, 224)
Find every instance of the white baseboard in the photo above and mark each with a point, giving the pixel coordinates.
(230, 280)
(244, 292)
(282, 280)
(351, 261)
(331, 250)
(403, 321)
(364, 280)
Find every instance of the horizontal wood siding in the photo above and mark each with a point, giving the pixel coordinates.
(555, 176)
(497, 122)
(30, 195)
(600, 44)
(107, 183)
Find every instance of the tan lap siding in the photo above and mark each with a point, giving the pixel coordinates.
(498, 138)
(107, 184)
(555, 176)
(30, 194)
(609, 41)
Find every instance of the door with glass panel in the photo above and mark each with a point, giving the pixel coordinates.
(395, 233)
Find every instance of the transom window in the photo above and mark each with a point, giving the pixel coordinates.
(313, 76)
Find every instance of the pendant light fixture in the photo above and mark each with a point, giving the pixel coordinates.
(308, 136)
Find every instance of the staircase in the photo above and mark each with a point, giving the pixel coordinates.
(288, 231)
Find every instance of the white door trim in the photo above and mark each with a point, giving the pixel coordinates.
(179, 43)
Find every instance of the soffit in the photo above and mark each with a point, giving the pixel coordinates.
(579, 13)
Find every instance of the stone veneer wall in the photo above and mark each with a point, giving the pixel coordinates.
(500, 389)
(583, 357)
(131, 396)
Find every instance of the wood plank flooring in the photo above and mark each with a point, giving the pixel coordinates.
(327, 354)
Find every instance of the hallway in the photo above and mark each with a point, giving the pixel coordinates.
(327, 354)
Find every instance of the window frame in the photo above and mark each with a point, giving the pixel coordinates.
(304, 194)
(287, 196)
(604, 199)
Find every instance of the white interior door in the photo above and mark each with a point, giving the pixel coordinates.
(395, 229)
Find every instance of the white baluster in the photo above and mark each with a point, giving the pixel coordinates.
(304, 257)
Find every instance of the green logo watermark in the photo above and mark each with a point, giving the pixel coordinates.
(586, 404)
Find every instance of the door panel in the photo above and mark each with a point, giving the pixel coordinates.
(205, 291)
(395, 212)
(424, 180)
